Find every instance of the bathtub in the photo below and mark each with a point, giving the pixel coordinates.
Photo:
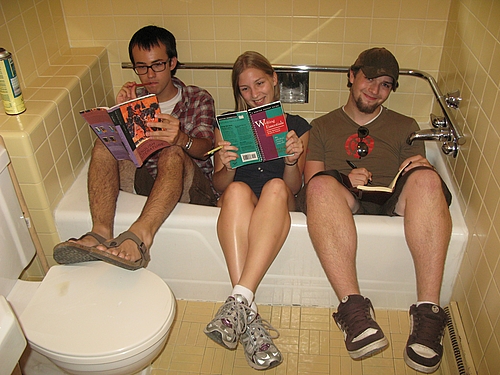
(187, 255)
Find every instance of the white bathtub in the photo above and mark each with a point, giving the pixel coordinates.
(187, 255)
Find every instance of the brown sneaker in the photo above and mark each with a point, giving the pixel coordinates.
(362, 335)
(424, 347)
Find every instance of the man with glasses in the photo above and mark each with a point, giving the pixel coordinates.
(365, 143)
(178, 173)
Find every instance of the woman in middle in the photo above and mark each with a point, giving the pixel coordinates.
(254, 220)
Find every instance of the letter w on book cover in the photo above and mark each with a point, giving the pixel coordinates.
(122, 128)
(259, 133)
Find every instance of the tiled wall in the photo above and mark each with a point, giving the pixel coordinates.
(49, 143)
(471, 62)
(316, 32)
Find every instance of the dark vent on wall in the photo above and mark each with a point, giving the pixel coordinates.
(455, 344)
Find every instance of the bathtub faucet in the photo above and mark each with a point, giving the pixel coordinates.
(440, 134)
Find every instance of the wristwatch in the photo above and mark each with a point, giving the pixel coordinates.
(189, 143)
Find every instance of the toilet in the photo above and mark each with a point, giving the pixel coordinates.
(87, 318)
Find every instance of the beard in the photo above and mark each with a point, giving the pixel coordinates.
(365, 108)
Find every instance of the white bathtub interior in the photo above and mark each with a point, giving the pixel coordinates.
(187, 255)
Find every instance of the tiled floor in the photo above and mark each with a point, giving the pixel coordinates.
(309, 340)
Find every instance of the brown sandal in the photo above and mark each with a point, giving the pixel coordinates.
(71, 252)
(120, 262)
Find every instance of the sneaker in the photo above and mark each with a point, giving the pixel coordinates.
(424, 347)
(362, 335)
(260, 351)
(229, 322)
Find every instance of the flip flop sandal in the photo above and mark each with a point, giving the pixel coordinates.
(71, 252)
(120, 262)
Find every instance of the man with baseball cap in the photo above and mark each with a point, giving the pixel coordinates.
(364, 143)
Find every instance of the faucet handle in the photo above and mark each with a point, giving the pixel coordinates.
(453, 99)
(450, 147)
(438, 121)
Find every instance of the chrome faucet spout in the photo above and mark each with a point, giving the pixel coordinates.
(441, 134)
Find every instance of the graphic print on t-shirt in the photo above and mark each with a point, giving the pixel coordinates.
(351, 145)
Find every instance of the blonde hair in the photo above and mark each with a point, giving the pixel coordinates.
(250, 59)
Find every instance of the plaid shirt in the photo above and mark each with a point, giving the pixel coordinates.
(196, 113)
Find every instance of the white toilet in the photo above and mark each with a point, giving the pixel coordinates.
(88, 318)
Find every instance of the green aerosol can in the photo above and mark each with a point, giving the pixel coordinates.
(10, 89)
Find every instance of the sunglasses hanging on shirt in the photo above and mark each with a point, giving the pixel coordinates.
(362, 148)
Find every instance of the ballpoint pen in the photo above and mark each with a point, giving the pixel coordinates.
(351, 164)
(212, 151)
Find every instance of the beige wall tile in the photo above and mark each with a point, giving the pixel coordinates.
(386, 9)
(384, 31)
(26, 168)
(305, 29)
(278, 28)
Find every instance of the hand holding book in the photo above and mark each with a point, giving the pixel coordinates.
(388, 189)
(258, 133)
(123, 127)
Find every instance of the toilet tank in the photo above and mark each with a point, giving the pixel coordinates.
(16, 245)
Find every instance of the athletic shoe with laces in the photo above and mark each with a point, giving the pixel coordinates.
(362, 335)
(260, 351)
(424, 347)
(229, 322)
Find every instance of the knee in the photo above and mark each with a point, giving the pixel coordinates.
(321, 185)
(171, 154)
(275, 188)
(237, 191)
(424, 181)
(170, 151)
(101, 152)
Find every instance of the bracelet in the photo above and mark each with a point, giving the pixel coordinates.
(292, 164)
(189, 143)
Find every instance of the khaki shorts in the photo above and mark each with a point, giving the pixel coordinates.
(198, 191)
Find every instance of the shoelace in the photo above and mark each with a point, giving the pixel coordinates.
(267, 327)
(356, 319)
(427, 332)
(240, 308)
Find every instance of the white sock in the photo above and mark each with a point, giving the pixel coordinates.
(254, 307)
(245, 292)
(421, 302)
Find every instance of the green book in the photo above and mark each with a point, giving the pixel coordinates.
(259, 133)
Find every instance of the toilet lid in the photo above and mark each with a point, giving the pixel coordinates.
(96, 309)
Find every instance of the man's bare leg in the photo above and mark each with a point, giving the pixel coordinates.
(427, 229)
(103, 187)
(174, 168)
(333, 232)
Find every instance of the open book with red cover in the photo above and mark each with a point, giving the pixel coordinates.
(122, 128)
(259, 133)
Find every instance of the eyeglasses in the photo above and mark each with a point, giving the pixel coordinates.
(156, 67)
(362, 149)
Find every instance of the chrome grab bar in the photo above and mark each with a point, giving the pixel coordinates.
(456, 137)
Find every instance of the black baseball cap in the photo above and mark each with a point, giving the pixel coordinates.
(377, 62)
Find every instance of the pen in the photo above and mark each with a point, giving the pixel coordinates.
(212, 151)
(351, 164)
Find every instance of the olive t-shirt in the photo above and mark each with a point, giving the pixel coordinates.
(334, 139)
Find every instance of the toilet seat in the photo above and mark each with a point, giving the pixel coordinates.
(96, 313)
